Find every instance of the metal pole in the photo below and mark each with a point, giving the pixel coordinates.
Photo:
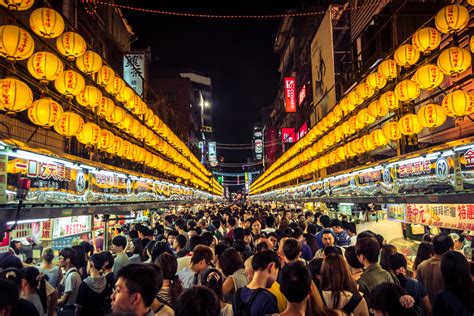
(106, 232)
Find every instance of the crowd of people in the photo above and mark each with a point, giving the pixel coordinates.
(241, 260)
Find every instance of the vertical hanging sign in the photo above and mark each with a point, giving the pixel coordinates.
(134, 71)
(290, 94)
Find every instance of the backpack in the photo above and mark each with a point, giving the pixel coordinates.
(239, 307)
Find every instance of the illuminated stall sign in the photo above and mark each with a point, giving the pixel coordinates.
(69, 226)
(396, 212)
(290, 94)
(67, 241)
(454, 216)
(302, 95)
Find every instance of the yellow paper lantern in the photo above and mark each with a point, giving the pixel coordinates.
(133, 102)
(15, 43)
(431, 115)
(106, 107)
(330, 117)
(359, 146)
(364, 90)
(407, 90)
(458, 103)
(354, 98)
(452, 19)
(364, 117)
(89, 63)
(116, 116)
(45, 112)
(125, 149)
(142, 132)
(426, 39)
(409, 125)
(125, 95)
(89, 134)
(116, 86)
(354, 123)
(105, 76)
(45, 66)
(389, 99)
(377, 109)
(69, 83)
(115, 148)
(428, 77)
(346, 106)
(141, 108)
(406, 55)
(69, 125)
(15, 95)
(106, 139)
(454, 60)
(378, 138)
(17, 5)
(71, 45)
(376, 81)
(125, 123)
(134, 128)
(90, 96)
(471, 44)
(388, 69)
(367, 143)
(346, 129)
(46, 22)
(391, 130)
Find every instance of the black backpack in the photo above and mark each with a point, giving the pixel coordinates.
(239, 307)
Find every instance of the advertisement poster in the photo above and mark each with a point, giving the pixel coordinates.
(322, 66)
(396, 212)
(289, 87)
(455, 216)
(68, 226)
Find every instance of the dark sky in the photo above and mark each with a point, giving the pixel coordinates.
(236, 54)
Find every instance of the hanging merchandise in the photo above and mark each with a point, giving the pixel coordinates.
(15, 43)
(454, 60)
(69, 83)
(69, 125)
(71, 45)
(431, 115)
(45, 112)
(46, 23)
(45, 66)
(15, 95)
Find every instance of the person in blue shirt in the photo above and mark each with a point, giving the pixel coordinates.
(200, 261)
(342, 238)
(326, 225)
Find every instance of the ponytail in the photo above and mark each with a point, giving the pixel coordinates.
(176, 287)
(42, 293)
(36, 280)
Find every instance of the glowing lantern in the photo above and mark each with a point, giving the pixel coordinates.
(89, 63)
(367, 143)
(125, 149)
(330, 118)
(89, 134)
(148, 158)
(15, 95)
(106, 107)
(358, 146)
(458, 103)
(90, 96)
(116, 116)
(69, 125)
(133, 128)
(378, 138)
(45, 66)
(364, 91)
(426, 39)
(125, 95)
(376, 81)
(322, 125)
(454, 60)
(391, 130)
(45, 112)
(407, 90)
(431, 115)
(105, 76)
(428, 77)
(141, 108)
(354, 98)
(46, 22)
(346, 129)
(388, 69)
(354, 123)
(15, 43)
(406, 55)
(389, 99)
(471, 44)
(377, 109)
(452, 18)
(125, 123)
(346, 106)
(133, 102)
(106, 139)
(117, 144)
(116, 86)
(364, 118)
(142, 132)
(409, 125)
(17, 5)
(69, 83)
(71, 45)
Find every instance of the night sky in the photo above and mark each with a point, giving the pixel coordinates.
(236, 54)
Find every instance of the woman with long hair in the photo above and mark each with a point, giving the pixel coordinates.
(389, 299)
(213, 279)
(424, 252)
(137, 252)
(172, 285)
(339, 290)
(231, 263)
(33, 289)
(386, 251)
(457, 297)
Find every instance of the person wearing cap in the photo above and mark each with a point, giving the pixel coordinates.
(460, 243)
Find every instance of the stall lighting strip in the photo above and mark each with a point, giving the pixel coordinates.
(28, 221)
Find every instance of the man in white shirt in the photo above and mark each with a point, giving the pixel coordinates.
(72, 280)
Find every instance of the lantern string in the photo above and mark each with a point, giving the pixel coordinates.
(218, 16)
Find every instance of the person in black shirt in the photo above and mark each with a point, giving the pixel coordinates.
(94, 291)
(108, 268)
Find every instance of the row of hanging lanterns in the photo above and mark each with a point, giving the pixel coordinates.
(17, 44)
(451, 62)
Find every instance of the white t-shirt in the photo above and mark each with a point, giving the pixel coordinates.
(227, 310)
(72, 282)
(183, 262)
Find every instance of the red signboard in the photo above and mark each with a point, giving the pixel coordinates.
(271, 137)
(302, 131)
(290, 94)
(288, 135)
(302, 95)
